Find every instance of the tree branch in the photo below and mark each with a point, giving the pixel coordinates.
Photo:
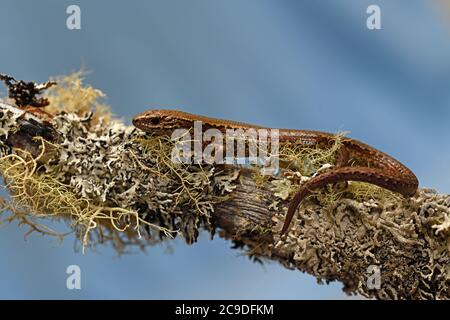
(121, 179)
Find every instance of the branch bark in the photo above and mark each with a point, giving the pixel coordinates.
(406, 243)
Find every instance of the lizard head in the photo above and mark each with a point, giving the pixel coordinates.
(163, 121)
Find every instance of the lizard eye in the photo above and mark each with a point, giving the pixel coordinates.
(155, 120)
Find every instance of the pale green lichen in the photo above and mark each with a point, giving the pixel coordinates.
(282, 188)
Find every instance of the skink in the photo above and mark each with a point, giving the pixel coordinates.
(355, 161)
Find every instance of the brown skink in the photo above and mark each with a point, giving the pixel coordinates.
(355, 161)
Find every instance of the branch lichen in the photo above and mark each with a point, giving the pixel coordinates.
(115, 183)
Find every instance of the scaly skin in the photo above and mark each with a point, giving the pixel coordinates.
(356, 161)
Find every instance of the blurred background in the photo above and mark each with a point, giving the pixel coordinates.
(295, 64)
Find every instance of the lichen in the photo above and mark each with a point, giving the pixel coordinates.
(110, 181)
(408, 239)
(307, 160)
(115, 183)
